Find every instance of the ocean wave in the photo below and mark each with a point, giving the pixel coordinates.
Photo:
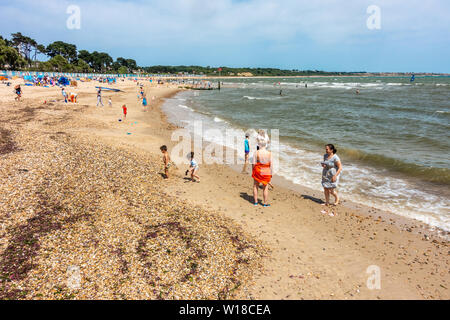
(185, 107)
(430, 174)
(217, 119)
(260, 98)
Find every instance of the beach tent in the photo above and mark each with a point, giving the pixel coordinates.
(28, 78)
(64, 81)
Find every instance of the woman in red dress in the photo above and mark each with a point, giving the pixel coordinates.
(262, 173)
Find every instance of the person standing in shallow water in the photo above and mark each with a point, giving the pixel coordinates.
(247, 152)
(332, 168)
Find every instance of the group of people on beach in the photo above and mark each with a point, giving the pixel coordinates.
(261, 160)
(262, 170)
(262, 167)
(72, 97)
(193, 165)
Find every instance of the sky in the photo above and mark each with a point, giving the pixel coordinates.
(330, 35)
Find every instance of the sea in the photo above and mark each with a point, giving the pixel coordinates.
(393, 137)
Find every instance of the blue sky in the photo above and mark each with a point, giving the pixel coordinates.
(293, 34)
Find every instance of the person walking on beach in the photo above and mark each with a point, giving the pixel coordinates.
(262, 172)
(166, 161)
(99, 97)
(64, 93)
(124, 108)
(332, 168)
(144, 101)
(193, 169)
(247, 152)
(18, 91)
(110, 102)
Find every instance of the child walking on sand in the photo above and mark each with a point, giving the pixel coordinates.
(18, 91)
(144, 101)
(193, 169)
(166, 160)
(64, 94)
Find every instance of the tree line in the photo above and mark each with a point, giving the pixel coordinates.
(227, 71)
(21, 52)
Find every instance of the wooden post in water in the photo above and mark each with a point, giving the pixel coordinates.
(219, 85)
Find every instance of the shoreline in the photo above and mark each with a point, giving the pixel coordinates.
(313, 256)
(400, 220)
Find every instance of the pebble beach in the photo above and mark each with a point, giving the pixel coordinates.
(71, 203)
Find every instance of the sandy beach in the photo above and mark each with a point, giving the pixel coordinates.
(83, 194)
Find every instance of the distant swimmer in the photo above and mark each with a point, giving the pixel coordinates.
(357, 91)
(306, 85)
(281, 92)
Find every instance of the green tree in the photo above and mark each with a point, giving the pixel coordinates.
(66, 50)
(82, 66)
(131, 64)
(85, 55)
(59, 63)
(10, 57)
(122, 70)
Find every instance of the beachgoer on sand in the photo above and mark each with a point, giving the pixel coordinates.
(193, 169)
(110, 102)
(18, 91)
(144, 100)
(247, 152)
(332, 168)
(262, 172)
(99, 97)
(64, 93)
(166, 160)
(124, 108)
(73, 97)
